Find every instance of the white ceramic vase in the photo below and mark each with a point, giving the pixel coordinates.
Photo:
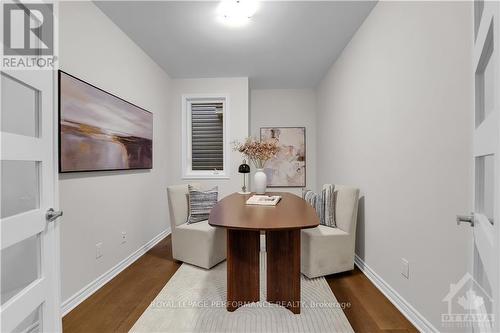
(260, 181)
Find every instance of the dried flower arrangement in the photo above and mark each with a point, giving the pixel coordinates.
(259, 152)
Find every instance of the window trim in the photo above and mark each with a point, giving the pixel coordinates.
(187, 171)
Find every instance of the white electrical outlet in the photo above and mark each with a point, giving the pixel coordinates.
(98, 250)
(405, 268)
(124, 237)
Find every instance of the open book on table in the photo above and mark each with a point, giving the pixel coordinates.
(264, 200)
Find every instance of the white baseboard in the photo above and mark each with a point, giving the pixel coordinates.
(415, 317)
(95, 285)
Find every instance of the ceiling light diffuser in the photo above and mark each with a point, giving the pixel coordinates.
(236, 12)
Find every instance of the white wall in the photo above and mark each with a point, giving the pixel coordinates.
(395, 118)
(237, 91)
(287, 108)
(98, 206)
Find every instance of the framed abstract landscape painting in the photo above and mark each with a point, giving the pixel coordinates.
(99, 131)
(288, 168)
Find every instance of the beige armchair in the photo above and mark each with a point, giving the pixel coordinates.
(326, 250)
(199, 243)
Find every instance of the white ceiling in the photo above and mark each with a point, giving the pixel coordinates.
(285, 45)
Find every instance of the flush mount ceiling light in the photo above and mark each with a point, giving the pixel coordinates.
(236, 12)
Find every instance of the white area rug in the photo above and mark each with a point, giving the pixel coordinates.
(193, 300)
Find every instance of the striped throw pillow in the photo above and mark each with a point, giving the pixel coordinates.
(330, 203)
(324, 203)
(200, 203)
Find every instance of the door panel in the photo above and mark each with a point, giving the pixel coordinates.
(29, 294)
(31, 324)
(485, 181)
(20, 187)
(17, 309)
(18, 274)
(485, 72)
(20, 111)
(486, 68)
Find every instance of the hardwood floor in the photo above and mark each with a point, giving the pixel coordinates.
(116, 306)
(369, 310)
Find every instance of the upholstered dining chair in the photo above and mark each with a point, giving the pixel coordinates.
(199, 243)
(326, 250)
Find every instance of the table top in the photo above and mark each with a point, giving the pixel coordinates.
(292, 212)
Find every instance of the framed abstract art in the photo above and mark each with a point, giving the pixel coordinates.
(288, 168)
(99, 131)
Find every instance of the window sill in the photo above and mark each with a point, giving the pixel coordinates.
(186, 177)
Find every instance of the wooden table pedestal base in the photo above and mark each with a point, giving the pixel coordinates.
(283, 268)
(243, 249)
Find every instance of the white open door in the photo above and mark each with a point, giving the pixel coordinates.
(30, 294)
(485, 218)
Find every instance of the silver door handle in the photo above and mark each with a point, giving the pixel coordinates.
(53, 215)
(466, 218)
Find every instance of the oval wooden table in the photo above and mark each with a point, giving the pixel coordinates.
(282, 224)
